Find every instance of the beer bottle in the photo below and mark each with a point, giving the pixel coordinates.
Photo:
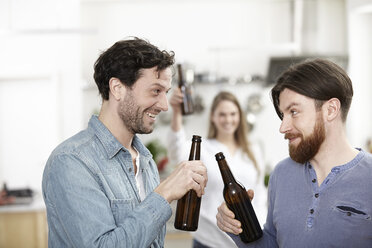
(187, 104)
(237, 200)
(188, 207)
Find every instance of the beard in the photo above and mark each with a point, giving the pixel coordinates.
(309, 146)
(132, 115)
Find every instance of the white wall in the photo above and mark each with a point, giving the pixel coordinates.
(360, 49)
(40, 85)
(230, 38)
(324, 27)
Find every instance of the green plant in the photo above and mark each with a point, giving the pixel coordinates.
(159, 153)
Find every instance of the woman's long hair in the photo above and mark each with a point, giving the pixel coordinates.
(241, 132)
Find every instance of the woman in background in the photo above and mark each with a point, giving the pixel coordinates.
(227, 133)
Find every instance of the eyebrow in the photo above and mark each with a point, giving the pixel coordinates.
(161, 86)
(157, 85)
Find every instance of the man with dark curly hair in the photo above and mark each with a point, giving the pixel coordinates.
(101, 187)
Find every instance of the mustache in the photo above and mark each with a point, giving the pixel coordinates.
(291, 136)
(152, 110)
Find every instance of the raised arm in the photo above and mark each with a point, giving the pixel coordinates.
(177, 143)
(175, 101)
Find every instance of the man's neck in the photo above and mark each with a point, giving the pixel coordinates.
(116, 126)
(333, 152)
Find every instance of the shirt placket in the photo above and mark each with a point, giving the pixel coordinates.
(317, 191)
(127, 165)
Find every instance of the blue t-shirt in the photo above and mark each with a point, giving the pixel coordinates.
(335, 214)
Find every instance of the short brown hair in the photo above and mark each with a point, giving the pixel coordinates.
(319, 79)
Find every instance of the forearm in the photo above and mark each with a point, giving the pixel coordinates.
(176, 122)
(177, 146)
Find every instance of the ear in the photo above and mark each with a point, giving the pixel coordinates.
(333, 108)
(116, 88)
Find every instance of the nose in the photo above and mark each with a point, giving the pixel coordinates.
(163, 102)
(285, 126)
(227, 118)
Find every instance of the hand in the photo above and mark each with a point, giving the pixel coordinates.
(176, 100)
(226, 219)
(188, 175)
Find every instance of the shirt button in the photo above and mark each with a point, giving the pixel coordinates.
(130, 169)
(309, 166)
(348, 214)
(311, 211)
(316, 195)
(314, 180)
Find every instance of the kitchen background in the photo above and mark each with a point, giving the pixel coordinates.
(48, 48)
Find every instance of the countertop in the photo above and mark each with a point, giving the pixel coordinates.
(36, 205)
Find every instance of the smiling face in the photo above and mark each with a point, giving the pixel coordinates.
(226, 118)
(145, 100)
(302, 125)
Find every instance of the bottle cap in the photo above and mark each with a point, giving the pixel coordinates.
(196, 138)
(219, 156)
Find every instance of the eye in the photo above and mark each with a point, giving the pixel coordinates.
(156, 91)
(294, 112)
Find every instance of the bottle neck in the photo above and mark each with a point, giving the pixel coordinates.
(226, 174)
(180, 76)
(181, 83)
(195, 151)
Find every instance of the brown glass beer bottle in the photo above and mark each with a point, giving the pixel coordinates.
(237, 200)
(187, 104)
(188, 207)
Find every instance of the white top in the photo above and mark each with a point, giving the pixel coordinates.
(243, 170)
(139, 178)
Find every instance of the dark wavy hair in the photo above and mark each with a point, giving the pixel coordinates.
(318, 79)
(125, 61)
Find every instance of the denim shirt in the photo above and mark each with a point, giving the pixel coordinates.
(91, 196)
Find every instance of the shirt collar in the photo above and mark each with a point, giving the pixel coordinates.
(110, 143)
(346, 166)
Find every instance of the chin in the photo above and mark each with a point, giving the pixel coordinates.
(228, 132)
(149, 130)
(145, 130)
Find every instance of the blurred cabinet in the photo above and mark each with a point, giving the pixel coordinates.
(23, 229)
(178, 239)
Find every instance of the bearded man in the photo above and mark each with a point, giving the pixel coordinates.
(101, 187)
(321, 195)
